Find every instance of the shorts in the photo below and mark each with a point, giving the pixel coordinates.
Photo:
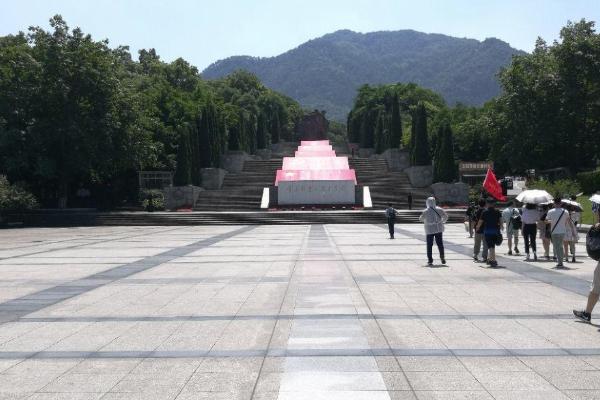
(596, 281)
(490, 240)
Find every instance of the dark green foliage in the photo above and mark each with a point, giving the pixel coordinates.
(325, 72)
(263, 139)
(382, 132)
(388, 99)
(237, 134)
(275, 127)
(444, 166)
(396, 125)
(76, 113)
(209, 137)
(183, 172)
(14, 197)
(589, 181)
(421, 153)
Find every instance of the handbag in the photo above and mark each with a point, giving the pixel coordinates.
(499, 239)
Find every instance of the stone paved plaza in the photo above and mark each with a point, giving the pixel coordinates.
(284, 312)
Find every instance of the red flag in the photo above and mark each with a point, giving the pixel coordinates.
(491, 185)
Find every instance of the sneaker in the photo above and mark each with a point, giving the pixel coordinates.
(429, 262)
(516, 251)
(573, 259)
(527, 257)
(487, 261)
(475, 259)
(493, 264)
(582, 315)
(444, 261)
(510, 253)
(534, 257)
(560, 265)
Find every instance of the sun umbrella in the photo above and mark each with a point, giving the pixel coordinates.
(595, 199)
(576, 206)
(534, 196)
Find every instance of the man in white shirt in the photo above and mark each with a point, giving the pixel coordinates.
(557, 218)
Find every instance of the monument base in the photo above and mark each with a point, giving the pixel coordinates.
(316, 192)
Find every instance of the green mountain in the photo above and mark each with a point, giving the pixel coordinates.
(324, 73)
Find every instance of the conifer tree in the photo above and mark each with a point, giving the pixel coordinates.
(444, 166)
(421, 147)
(209, 137)
(194, 140)
(262, 134)
(183, 172)
(396, 125)
(380, 133)
(275, 127)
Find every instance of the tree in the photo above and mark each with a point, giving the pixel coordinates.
(444, 165)
(209, 137)
(380, 132)
(262, 135)
(275, 127)
(183, 173)
(396, 125)
(421, 152)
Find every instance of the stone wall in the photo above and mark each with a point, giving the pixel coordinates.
(398, 160)
(420, 176)
(181, 196)
(456, 193)
(212, 178)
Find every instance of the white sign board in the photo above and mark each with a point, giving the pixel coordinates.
(315, 192)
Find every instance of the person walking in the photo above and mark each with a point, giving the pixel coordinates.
(557, 218)
(491, 222)
(469, 214)
(479, 239)
(434, 219)
(390, 214)
(571, 235)
(530, 217)
(575, 215)
(586, 315)
(511, 219)
(544, 231)
(410, 200)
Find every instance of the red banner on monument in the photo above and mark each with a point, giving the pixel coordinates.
(492, 186)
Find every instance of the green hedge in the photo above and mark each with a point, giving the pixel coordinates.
(13, 197)
(589, 181)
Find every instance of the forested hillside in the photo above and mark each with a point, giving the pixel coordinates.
(325, 73)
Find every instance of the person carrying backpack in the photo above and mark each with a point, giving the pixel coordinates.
(586, 315)
(491, 222)
(511, 220)
(390, 214)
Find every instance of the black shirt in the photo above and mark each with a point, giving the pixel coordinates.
(491, 220)
(477, 217)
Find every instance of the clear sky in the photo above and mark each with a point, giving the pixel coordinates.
(205, 31)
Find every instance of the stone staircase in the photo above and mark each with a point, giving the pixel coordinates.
(387, 186)
(241, 191)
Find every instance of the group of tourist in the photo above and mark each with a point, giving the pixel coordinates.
(555, 224)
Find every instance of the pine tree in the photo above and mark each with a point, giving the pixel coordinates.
(421, 149)
(209, 139)
(183, 172)
(275, 127)
(444, 166)
(380, 133)
(194, 140)
(262, 134)
(396, 125)
(235, 134)
(252, 134)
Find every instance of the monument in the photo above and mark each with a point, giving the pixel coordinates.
(315, 176)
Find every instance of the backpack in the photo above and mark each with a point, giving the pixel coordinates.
(516, 221)
(592, 243)
(390, 213)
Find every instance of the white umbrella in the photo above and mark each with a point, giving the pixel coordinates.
(534, 196)
(573, 204)
(595, 199)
